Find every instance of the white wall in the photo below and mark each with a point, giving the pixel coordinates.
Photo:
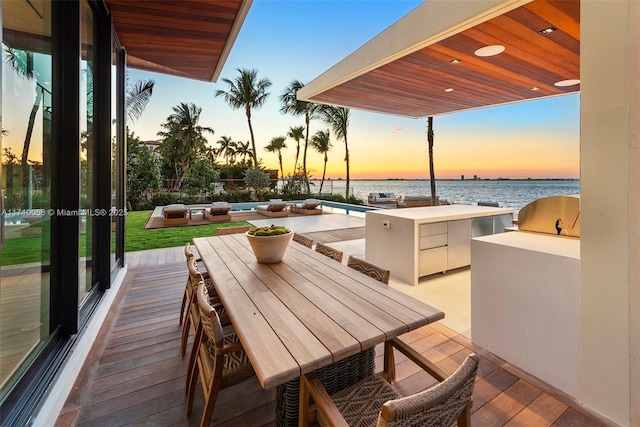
(609, 208)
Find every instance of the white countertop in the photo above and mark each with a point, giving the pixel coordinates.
(441, 213)
(555, 245)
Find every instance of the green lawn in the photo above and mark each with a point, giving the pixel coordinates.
(29, 249)
(137, 238)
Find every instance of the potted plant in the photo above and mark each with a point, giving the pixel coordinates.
(269, 243)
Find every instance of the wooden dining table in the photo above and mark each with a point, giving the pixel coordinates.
(305, 312)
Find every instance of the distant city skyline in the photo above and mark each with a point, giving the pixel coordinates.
(286, 40)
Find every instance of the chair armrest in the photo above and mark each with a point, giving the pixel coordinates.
(309, 383)
(232, 348)
(419, 360)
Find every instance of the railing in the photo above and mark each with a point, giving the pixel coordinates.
(329, 187)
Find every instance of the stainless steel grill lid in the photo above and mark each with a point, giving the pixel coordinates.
(558, 215)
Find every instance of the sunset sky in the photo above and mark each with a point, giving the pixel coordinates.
(287, 40)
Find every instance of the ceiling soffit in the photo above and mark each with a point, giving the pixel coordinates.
(414, 85)
(187, 38)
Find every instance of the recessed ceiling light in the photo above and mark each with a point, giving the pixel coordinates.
(449, 89)
(548, 31)
(491, 50)
(535, 88)
(455, 61)
(565, 83)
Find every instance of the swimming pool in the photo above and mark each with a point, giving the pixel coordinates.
(345, 208)
(246, 206)
(327, 206)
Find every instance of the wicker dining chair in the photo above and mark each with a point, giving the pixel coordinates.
(329, 251)
(191, 313)
(303, 240)
(188, 254)
(374, 402)
(220, 359)
(232, 230)
(369, 269)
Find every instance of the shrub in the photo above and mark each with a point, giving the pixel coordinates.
(257, 179)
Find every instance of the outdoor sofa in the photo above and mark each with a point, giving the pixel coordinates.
(382, 198)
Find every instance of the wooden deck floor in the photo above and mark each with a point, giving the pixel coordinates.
(134, 374)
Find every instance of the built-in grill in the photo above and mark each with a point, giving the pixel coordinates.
(558, 215)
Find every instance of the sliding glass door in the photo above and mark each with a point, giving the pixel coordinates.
(26, 196)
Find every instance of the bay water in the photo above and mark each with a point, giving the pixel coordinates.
(513, 194)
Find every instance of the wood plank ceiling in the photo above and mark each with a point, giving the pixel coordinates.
(184, 38)
(414, 85)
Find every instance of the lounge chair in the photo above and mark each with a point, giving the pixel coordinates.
(175, 214)
(275, 209)
(218, 212)
(307, 207)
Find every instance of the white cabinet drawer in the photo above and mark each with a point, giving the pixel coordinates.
(435, 241)
(433, 228)
(432, 261)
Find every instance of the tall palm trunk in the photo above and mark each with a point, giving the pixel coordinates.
(324, 171)
(346, 159)
(295, 164)
(27, 141)
(432, 174)
(253, 140)
(304, 155)
(281, 167)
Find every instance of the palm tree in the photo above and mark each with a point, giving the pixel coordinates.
(22, 63)
(243, 150)
(246, 92)
(432, 174)
(322, 144)
(277, 144)
(137, 97)
(212, 154)
(183, 139)
(292, 105)
(227, 148)
(296, 133)
(338, 119)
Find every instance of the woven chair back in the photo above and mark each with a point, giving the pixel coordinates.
(329, 251)
(439, 405)
(303, 240)
(194, 274)
(369, 269)
(188, 252)
(209, 319)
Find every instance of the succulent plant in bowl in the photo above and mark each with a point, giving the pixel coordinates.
(270, 243)
(272, 230)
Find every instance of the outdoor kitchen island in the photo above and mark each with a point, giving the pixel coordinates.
(525, 304)
(416, 242)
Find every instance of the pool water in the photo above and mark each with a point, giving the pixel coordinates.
(327, 206)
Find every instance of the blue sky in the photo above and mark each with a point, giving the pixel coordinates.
(287, 40)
